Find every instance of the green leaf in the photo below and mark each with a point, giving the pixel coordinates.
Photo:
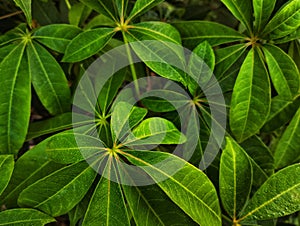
(48, 79)
(281, 112)
(30, 167)
(235, 178)
(24, 217)
(16, 91)
(149, 205)
(201, 65)
(79, 210)
(56, 36)
(187, 186)
(25, 5)
(287, 151)
(71, 147)
(6, 169)
(155, 131)
(262, 12)
(194, 32)
(78, 14)
(277, 197)
(251, 97)
(87, 44)
(283, 72)
(285, 21)
(107, 205)
(142, 6)
(105, 7)
(67, 185)
(293, 36)
(242, 10)
(124, 117)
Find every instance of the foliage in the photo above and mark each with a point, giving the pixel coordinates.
(255, 59)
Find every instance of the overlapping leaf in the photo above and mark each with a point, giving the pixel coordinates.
(6, 169)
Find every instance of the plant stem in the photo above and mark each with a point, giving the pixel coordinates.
(132, 68)
(68, 4)
(10, 15)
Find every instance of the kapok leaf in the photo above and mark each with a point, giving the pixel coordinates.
(235, 178)
(15, 99)
(6, 169)
(242, 10)
(262, 12)
(124, 118)
(155, 131)
(87, 44)
(24, 217)
(187, 186)
(287, 151)
(277, 197)
(67, 185)
(251, 97)
(194, 32)
(48, 79)
(285, 21)
(56, 36)
(283, 72)
(25, 5)
(142, 6)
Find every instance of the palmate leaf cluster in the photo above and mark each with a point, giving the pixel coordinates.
(255, 178)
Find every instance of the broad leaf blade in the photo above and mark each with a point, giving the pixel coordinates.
(287, 151)
(48, 79)
(242, 10)
(67, 185)
(16, 92)
(235, 178)
(56, 36)
(285, 21)
(251, 98)
(194, 32)
(142, 6)
(87, 44)
(187, 186)
(24, 217)
(277, 197)
(25, 5)
(283, 72)
(262, 12)
(6, 169)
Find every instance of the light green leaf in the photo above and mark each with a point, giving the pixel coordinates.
(283, 72)
(262, 12)
(194, 32)
(285, 21)
(124, 117)
(87, 44)
(6, 169)
(251, 97)
(29, 168)
(16, 94)
(142, 6)
(287, 151)
(71, 147)
(48, 79)
(281, 112)
(100, 20)
(201, 65)
(107, 205)
(277, 197)
(56, 36)
(155, 131)
(24, 217)
(187, 186)
(293, 36)
(67, 185)
(149, 205)
(235, 178)
(25, 5)
(78, 14)
(121, 6)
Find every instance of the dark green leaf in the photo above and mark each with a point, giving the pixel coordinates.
(142, 6)
(56, 36)
(6, 169)
(251, 97)
(78, 14)
(87, 44)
